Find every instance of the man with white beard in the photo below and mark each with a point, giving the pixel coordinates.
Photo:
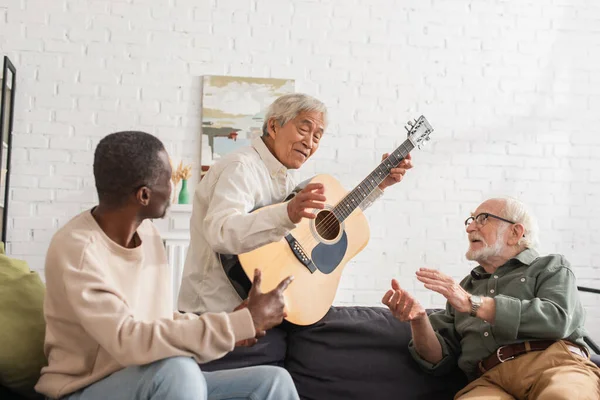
(514, 325)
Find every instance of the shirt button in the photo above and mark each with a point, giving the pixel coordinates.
(495, 276)
(522, 279)
(492, 291)
(486, 334)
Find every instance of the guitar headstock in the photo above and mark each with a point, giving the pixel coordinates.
(419, 131)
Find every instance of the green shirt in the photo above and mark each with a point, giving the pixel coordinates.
(536, 298)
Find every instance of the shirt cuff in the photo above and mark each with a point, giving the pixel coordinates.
(242, 324)
(508, 317)
(442, 367)
(283, 218)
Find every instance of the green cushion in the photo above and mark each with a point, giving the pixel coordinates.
(22, 326)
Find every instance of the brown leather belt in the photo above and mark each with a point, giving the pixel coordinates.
(512, 351)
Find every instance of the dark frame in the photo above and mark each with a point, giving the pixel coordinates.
(8, 66)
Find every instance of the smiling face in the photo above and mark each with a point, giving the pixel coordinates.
(294, 142)
(490, 239)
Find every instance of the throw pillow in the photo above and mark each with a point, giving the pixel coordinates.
(22, 326)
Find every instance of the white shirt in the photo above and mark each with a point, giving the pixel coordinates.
(222, 222)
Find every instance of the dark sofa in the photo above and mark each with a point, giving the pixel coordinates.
(352, 353)
(361, 353)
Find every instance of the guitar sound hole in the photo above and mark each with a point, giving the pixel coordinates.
(327, 225)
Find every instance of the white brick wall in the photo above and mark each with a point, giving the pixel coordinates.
(512, 89)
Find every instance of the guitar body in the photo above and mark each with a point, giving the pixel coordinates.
(317, 250)
(327, 245)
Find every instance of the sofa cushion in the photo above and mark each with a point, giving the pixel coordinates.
(6, 394)
(22, 326)
(361, 353)
(270, 350)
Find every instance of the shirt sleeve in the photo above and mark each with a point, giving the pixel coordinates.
(443, 325)
(554, 312)
(230, 227)
(371, 198)
(105, 315)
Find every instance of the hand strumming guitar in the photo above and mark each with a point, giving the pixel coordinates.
(267, 308)
(312, 196)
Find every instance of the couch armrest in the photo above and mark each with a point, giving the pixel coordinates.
(587, 289)
(592, 345)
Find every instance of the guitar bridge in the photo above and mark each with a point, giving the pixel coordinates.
(300, 253)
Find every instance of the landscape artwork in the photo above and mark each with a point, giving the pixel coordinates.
(233, 110)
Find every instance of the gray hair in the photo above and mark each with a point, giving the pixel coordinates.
(516, 211)
(288, 106)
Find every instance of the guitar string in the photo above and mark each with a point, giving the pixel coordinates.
(406, 146)
(334, 219)
(331, 220)
(355, 195)
(330, 224)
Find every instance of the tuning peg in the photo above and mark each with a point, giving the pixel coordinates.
(410, 123)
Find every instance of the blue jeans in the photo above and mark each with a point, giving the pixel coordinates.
(180, 378)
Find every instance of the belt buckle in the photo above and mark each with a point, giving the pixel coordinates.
(499, 356)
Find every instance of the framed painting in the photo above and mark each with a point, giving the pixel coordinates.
(233, 110)
(8, 87)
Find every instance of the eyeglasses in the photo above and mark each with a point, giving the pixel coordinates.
(481, 219)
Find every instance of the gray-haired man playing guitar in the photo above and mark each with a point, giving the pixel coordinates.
(257, 176)
(515, 325)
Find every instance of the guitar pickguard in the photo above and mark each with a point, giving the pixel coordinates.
(321, 244)
(328, 256)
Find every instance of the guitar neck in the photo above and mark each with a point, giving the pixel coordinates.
(355, 197)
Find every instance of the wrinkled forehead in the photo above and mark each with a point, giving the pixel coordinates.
(493, 206)
(311, 119)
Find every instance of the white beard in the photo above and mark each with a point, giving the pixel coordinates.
(488, 251)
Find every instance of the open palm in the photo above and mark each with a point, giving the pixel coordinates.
(402, 304)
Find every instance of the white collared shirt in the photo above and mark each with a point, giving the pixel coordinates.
(222, 222)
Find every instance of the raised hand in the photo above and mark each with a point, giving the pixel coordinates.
(312, 196)
(397, 173)
(267, 308)
(402, 305)
(447, 287)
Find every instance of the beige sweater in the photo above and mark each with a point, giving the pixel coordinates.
(108, 307)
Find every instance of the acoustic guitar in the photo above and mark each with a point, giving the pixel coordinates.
(317, 250)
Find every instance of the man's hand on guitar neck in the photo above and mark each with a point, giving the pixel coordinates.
(397, 173)
(266, 308)
(312, 196)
